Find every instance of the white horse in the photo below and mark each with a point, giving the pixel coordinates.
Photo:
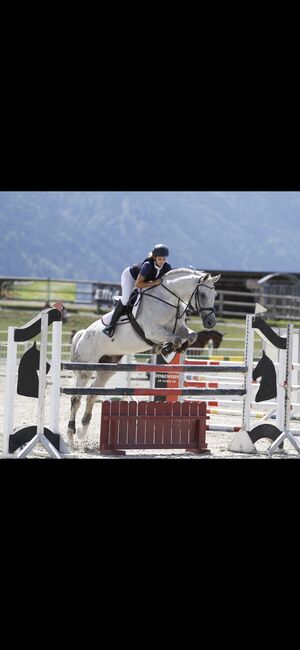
(161, 314)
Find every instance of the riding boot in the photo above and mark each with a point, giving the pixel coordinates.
(119, 310)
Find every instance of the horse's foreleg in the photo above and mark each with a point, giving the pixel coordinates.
(180, 342)
(171, 346)
(190, 337)
(81, 381)
(169, 341)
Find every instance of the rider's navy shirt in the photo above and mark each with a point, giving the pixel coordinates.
(148, 270)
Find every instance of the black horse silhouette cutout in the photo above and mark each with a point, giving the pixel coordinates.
(268, 385)
(28, 380)
(268, 431)
(22, 436)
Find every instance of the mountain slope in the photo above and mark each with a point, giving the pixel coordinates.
(94, 235)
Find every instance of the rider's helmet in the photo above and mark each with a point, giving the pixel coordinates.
(160, 250)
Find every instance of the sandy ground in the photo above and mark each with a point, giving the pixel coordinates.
(25, 414)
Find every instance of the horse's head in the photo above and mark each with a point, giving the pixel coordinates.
(196, 289)
(204, 299)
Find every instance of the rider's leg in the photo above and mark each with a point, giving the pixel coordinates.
(118, 311)
(127, 284)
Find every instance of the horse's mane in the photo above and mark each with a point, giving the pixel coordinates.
(173, 272)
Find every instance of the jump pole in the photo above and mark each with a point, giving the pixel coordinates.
(56, 383)
(242, 442)
(10, 389)
(284, 395)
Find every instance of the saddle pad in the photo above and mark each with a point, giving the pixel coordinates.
(107, 317)
(134, 301)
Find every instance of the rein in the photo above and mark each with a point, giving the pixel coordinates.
(198, 307)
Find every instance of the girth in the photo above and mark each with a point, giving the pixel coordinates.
(138, 328)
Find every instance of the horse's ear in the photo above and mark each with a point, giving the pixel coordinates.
(215, 278)
(205, 277)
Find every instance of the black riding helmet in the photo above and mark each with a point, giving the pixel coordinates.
(160, 250)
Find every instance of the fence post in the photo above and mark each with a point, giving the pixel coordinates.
(48, 289)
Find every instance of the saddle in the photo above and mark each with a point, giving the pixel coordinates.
(132, 302)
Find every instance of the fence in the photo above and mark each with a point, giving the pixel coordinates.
(192, 352)
(282, 307)
(101, 295)
(22, 347)
(45, 290)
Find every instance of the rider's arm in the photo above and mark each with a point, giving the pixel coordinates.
(141, 283)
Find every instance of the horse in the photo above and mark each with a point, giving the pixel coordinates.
(161, 316)
(205, 336)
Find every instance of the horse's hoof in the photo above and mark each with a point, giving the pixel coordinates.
(183, 347)
(81, 434)
(70, 435)
(167, 348)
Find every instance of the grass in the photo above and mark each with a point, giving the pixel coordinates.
(18, 317)
(230, 327)
(41, 290)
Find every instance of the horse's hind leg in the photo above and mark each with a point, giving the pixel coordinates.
(81, 381)
(100, 381)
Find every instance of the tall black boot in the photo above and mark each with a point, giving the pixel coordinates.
(119, 310)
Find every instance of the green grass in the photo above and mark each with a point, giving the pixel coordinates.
(228, 327)
(39, 290)
(81, 320)
(18, 317)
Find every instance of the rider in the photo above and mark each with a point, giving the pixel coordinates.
(142, 275)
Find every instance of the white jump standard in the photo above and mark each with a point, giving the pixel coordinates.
(245, 438)
(28, 437)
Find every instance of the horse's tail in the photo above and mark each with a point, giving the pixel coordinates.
(75, 340)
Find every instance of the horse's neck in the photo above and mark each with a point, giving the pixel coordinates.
(181, 287)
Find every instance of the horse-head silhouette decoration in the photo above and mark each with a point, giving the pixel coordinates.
(268, 385)
(28, 380)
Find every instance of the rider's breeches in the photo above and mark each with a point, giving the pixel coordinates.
(127, 284)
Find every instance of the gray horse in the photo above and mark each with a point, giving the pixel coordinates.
(161, 314)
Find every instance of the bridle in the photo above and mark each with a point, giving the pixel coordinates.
(188, 305)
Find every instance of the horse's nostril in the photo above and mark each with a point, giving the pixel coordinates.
(210, 323)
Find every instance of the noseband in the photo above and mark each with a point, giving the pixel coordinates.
(198, 309)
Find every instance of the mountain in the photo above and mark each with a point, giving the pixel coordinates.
(95, 235)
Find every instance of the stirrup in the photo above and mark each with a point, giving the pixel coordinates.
(109, 330)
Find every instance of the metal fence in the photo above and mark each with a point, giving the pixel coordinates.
(100, 296)
(241, 303)
(70, 292)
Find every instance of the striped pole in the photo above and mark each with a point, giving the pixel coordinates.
(151, 391)
(221, 427)
(145, 367)
(208, 384)
(221, 357)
